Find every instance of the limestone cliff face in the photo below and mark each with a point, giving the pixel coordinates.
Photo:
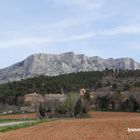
(52, 64)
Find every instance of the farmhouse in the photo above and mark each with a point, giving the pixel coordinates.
(31, 102)
(52, 101)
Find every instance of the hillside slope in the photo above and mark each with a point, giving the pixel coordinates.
(52, 65)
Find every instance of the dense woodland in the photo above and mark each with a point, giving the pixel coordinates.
(114, 80)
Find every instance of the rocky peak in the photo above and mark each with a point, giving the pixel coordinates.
(52, 64)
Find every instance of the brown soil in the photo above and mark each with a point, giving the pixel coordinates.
(102, 126)
(18, 116)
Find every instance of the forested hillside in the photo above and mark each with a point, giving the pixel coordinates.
(114, 80)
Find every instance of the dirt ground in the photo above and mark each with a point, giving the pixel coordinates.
(102, 126)
(18, 116)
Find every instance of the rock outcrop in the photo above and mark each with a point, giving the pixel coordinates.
(52, 65)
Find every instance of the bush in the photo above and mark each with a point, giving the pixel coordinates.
(78, 108)
(74, 105)
(42, 111)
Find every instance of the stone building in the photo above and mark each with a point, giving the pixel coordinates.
(53, 100)
(32, 102)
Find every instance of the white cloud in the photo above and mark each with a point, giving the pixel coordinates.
(131, 29)
(85, 4)
(122, 30)
(81, 4)
(110, 32)
(23, 42)
(62, 38)
(75, 37)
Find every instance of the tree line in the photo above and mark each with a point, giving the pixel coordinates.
(116, 80)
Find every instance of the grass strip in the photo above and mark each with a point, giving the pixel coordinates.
(24, 125)
(13, 120)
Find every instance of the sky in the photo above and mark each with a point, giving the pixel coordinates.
(105, 28)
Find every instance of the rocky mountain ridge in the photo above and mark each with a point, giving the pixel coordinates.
(52, 65)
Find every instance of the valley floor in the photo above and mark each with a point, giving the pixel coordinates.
(101, 126)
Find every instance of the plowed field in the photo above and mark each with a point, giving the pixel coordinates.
(102, 126)
(18, 116)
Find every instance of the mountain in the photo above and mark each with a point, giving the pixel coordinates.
(52, 65)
